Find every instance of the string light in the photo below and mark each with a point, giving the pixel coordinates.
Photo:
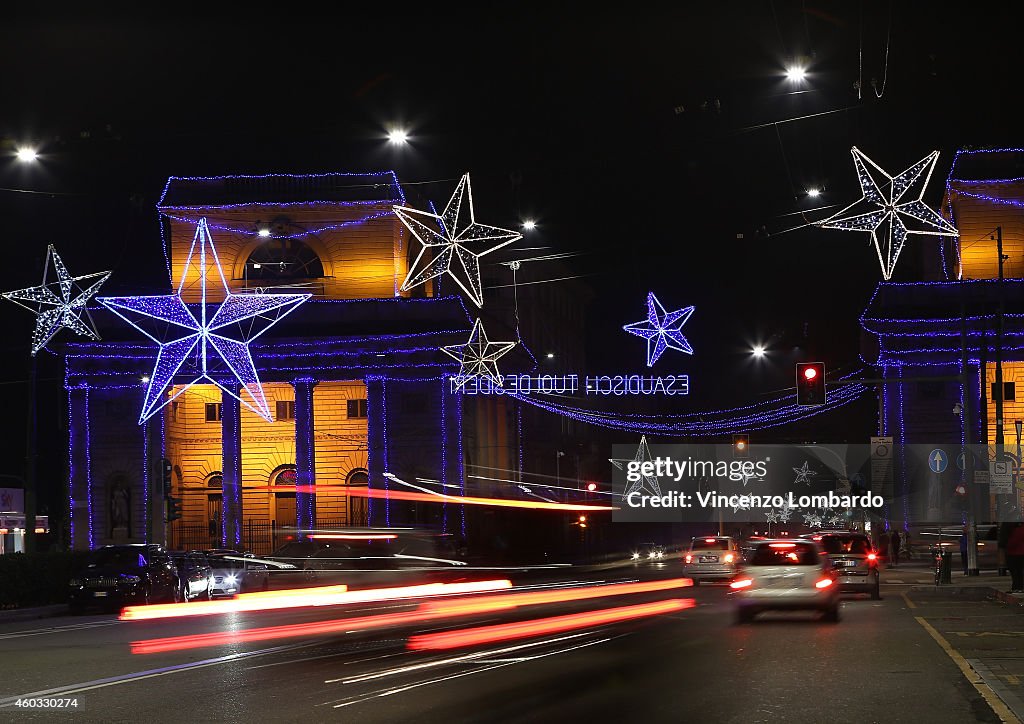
(204, 336)
(479, 356)
(59, 304)
(661, 329)
(643, 455)
(453, 234)
(882, 209)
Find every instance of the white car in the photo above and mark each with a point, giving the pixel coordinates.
(785, 575)
(711, 558)
(235, 572)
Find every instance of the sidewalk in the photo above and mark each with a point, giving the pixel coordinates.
(9, 615)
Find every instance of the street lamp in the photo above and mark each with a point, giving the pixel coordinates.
(529, 225)
(398, 137)
(558, 467)
(758, 351)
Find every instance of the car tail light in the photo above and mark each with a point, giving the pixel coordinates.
(741, 583)
(817, 537)
(872, 557)
(729, 557)
(824, 583)
(689, 558)
(782, 545)
(709, 540)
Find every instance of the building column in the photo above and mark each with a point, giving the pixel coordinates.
(231, 471)
(79, 495)
(377, 450)
(305, 456)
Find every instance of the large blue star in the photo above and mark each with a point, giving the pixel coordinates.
(661, 329)
(200, 344)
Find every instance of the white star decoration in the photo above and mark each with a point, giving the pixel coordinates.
(643, 454)
(661, 329)
(772, 516)
(803, 473)
(479, 356)
(887, 203)
(457, 239)
(218, 359)
(59, 304)
(782, 514)
(812, 520)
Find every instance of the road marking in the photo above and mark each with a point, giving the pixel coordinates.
(140, 675)
(58, 629)
(983, 634)
(910, 604)
(1011, 679)
(1001, 710)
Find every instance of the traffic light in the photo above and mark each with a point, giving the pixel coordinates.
(165, 475)
(173, 508)
(741, 446)
(810, 383)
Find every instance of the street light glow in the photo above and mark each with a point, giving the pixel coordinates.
(758, 351)
(796, 73)
(529, 225)
(264, 232)
(27, 154)
(814, 193)
(398, 137)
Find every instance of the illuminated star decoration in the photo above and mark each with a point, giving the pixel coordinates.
(203, 341)
(803, 473)
(812, 520)
(60, 303)
(772, 515)
(836, 520)
(887, 203)
(784, 513)
(457, 240)
(646, 482)
(661, 329)
(479, 356)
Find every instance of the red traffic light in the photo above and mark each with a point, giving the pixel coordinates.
(960, 489)
(591, 487)
(810, 383)
(810, 373)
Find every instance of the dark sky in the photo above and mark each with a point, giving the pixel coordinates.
(646, 140)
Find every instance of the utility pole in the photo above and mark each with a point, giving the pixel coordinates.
(968, 427)
(30, 460)
(999, 347)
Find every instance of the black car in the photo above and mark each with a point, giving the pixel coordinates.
(120, 575)
(195, 577)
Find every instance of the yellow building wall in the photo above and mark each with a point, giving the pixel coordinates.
(367, 260)
(194, 449)
(977, 221)
(1012, 409)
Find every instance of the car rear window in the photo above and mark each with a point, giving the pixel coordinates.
(858, 545)
(709, 544)
(784, 554)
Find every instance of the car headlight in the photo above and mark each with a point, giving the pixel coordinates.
(660, 554)
(635, 555)
(130, 579)
(231, 580)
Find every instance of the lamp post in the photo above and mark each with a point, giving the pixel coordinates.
(558, 468)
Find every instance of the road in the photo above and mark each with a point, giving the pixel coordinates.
(884, 662)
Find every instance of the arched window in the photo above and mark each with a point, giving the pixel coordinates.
(283, 259)
(284, 476)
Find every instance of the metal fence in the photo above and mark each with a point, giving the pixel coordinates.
(260, 537)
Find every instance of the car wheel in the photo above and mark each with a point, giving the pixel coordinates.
(209, 591)
(832, 614)
(876, 593)
(147, 596)
(186, 594)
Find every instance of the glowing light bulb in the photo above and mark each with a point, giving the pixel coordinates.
(27, 154)
(398, 136)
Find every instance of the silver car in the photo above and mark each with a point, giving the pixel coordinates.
(236, 572)
(785, 575)
(711, 558)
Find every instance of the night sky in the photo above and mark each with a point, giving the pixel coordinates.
(647, 141)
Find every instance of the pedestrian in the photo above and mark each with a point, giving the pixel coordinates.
(894, 546)
(963, 548)
(1015, 558)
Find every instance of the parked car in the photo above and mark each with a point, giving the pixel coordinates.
(195, 578)
(711, 558)
(120, 575)
(785, 575)
(236, 572)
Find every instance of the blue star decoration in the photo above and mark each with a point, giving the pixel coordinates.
(456, 240)
(661, 329)
(204, 347)
(479, 356)
(891, 208)
(646, 483)
(61, 303)
(803, 473)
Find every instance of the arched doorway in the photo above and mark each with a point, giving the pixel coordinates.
(281, 480)
(214, 504)
(357, 505)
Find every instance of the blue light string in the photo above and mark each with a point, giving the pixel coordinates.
(444, 457)
(260, 177)
(88, 470)
(71, 469)
(387, 462)
(145, 482)
(248, 231)
(462, 459)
